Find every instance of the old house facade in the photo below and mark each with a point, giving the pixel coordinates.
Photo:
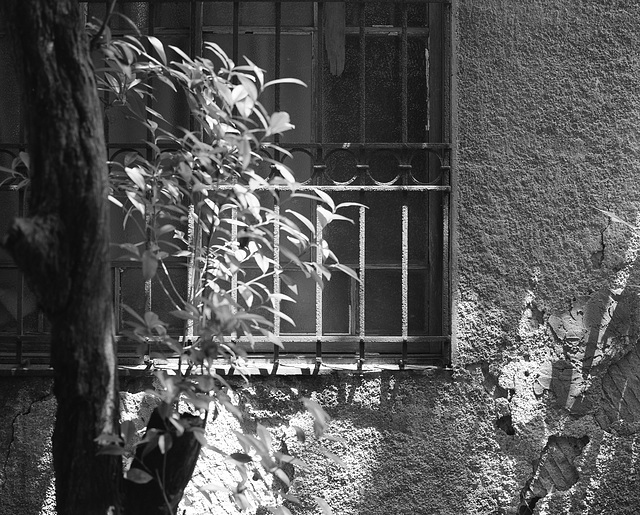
(487, 364)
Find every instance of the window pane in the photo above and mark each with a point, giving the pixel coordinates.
(8, 211)
(132, 291)
(383, 302)
(416, 303)
(418, 236)
(161, 303)
(343, 236)
(337, 304)
(341, 166)
(296, 61)
(383, 89)
(341, 105)
(417, 116)
(8, 300)
(172, 15)
(218, 13)
(173, 106)
(384, 166)
(303, 312)
(136, 12)
(10, 98)
(383, 233)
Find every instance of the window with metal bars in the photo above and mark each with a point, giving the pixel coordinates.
(373, 127)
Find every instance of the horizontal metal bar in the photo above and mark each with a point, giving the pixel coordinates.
(357, 187)
(271, 1)
(301, 30)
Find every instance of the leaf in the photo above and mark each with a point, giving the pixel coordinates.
(115, 201)
(136, 174)
(241, 457)
(279, 122)
(326, 199)
(349, 271)
(280, 510)
(128, 431)
(24, 157)
(299, 433)
(181, 54)
(286, 80)
(157, 44)
(324, 506)
(333, 457)
(324, 216)
(616, 218)
(165, 442)
(303, 219)
(138, 476)
(282, 476)
(149, 265)
(136, 202)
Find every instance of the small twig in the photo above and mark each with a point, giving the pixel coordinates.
(94, 40)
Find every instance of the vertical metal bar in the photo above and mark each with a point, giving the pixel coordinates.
(147, 284)
(117, 305)
(361, 290)
(193, 277)
(236, 30)
(403, 68)
(405, 276)
(317, 89)
(195, 40)
(278, 9)
(446, 260)
(363, 68)
(318, 291)
(317, 63)
(276, 275)
(435, 135)
(20, 292)
(196, 28)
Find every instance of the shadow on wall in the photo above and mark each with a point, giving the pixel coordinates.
(26, 477)
(412, 443)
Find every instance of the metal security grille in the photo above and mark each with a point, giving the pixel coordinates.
(372, 127)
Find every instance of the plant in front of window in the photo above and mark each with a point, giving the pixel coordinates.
(197, 197)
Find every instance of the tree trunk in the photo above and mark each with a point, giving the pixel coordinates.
(171, 469)
(62, 247)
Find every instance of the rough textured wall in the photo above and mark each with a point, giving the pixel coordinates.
(547, 289)
(541, 413)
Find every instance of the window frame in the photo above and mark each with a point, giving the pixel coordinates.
(408, 350)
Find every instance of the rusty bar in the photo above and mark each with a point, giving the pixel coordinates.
(22, 208)
(446, 279)
(405, 268)
(276, 275)
(363, 69)
(446, 2)
(317, 89)
(117, 298)
(318, 288)
(236, 30)
(276, 101)
(403, 68)
(361, 264)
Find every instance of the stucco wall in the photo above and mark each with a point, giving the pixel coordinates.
(541, 409)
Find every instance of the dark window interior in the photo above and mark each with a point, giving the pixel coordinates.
(371, 127)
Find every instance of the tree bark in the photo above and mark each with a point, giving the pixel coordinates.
(171, 469)
(62, 247)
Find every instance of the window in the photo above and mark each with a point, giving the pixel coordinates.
(373, 126)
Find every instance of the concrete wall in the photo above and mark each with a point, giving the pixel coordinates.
(541, 412)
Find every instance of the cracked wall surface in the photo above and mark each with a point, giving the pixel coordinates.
(541, 413)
